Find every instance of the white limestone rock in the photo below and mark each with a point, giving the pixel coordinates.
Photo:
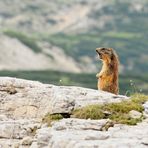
(145, 105)
(3, 118)
(73, 133)
(42, 138)
(27, 140)
(17, 129)
(135, 114)
(64, 132)
(28, 99)
(80, 124)
(23, 103)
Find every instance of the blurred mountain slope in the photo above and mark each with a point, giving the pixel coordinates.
(17, 56)
(79, 26)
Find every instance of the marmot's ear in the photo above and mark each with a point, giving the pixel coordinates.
(112, 53)
(111, 49)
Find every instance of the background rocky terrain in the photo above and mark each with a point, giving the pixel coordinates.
(78, 27)
(17, 56)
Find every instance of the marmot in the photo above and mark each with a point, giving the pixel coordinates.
(108, 76)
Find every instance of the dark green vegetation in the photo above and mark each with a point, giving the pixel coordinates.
(127, 32)
(129, 84)
(131, 48)
(125, 29)
(118, 112)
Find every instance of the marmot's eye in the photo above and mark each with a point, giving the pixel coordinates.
(103, 49)
(106, 52)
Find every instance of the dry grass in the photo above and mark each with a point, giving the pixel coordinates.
(118, 112)
(50, 118)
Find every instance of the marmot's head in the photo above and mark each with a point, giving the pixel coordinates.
(106, 54)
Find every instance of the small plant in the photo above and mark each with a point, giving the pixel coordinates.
(50, 118)
(134, 89)
(91, 111)
(139, 98)
(118, 112)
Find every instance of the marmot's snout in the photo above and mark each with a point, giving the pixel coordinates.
(104, 53)
(99, 52)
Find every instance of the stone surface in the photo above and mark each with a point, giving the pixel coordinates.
(145, 141)
(135, 114)
(62, 133)
(80, 124)
(24, 103)
(10, 143)
(68, 98)
(73, 133)
(27, 140)
(17, 129)
(34, 99)
(3, 118)
(145, 105)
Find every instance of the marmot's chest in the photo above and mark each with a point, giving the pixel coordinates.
(108, 78)
(106, 83)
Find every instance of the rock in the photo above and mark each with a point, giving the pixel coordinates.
(73, 133)
(13, 133)
(35, 100)
(27, 140)
(145, 112)
(66, 99)
(16, 145)
(145, 105)
(34, 145)
(42, 137)
(64, 132)
(21, 113)
(30, 111)
(145, 141)
(27, 104)
(9, 143)
(135, 114)
(17, 129)
(80, 124)
(3, 118)
(145, 115)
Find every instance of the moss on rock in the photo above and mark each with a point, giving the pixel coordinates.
(118, 112)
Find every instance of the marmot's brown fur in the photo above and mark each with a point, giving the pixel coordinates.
(108, 76)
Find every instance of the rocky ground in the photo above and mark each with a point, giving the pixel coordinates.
(23, 105)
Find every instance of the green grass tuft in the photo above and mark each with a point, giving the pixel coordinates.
(118, 112)
(50, 118)
(91, 111)
(139, 98)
